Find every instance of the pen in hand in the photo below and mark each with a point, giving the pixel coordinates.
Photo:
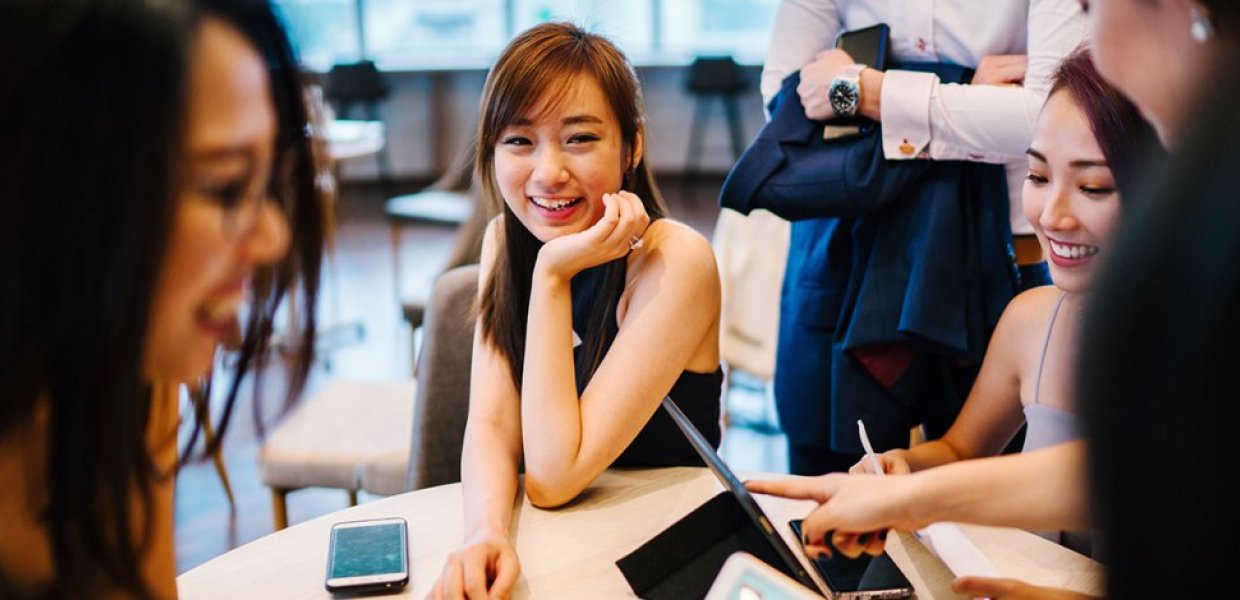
(946, 540)
(869, 449)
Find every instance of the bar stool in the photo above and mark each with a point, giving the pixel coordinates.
(714, 77)
(360, 84)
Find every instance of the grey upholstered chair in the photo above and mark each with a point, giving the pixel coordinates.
(442, 392)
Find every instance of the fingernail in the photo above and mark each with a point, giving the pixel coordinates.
(816, 552)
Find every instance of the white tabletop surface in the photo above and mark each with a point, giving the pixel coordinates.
(347, 139)
(570, 552)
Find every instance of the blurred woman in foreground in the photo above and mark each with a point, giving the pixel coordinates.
(160, 188)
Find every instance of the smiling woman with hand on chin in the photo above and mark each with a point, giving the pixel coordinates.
(593, 305)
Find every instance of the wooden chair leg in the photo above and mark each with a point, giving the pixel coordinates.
(279, 508)
(218, 458)
(352, 497)
(395, 230)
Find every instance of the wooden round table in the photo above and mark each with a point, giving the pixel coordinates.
(570, 552)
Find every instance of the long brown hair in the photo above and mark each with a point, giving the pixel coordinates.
(93, 110)
(547, 59)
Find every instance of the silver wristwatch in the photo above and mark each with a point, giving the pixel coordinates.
(845, 91)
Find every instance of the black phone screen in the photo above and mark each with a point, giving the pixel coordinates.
(867, 576)
(370, 550)
(867, 46)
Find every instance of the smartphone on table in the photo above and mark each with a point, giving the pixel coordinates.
(368, 556)
(865, 577)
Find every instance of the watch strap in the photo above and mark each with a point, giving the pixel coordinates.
(852, 71)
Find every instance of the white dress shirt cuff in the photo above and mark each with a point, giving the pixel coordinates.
(906, 113)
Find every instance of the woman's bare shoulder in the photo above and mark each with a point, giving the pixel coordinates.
(1029, 311)
(490, 245)
(679, 244)
(490, 236)
(1035, 302)
(674, 256)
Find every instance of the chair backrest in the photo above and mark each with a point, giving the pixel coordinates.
(715, 75)
(443, 380)
(361, 83)
(752, 252)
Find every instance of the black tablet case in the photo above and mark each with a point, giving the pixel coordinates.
(683, 560)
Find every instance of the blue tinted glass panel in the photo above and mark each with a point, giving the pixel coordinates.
(324, 31)
(445, 34)
(629, 24)
(741, 28)
(430, 32)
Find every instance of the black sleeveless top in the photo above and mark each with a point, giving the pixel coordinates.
(660, 443)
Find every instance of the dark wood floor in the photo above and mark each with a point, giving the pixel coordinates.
(360, 289)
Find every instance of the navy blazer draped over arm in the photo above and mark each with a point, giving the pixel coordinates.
(897, 273)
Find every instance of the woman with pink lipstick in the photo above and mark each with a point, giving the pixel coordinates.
(593, 306)
(1086, 147)
(1085, 144)
(157, 172)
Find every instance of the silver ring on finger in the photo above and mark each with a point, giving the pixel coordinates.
(635, 243)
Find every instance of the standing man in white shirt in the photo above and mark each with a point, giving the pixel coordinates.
(1014, 45)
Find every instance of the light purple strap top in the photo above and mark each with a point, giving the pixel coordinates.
(1048, 425)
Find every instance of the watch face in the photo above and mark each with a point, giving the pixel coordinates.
(843, 96)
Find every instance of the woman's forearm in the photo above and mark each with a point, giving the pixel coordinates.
(929, 455)
(1045, 489)
(488, 482)
(551, 424)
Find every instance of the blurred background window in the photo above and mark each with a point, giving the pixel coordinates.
(450, 34)
(325, 31)
(628, 24)
(741, 28)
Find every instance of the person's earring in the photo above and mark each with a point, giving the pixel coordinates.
(1202, 29)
